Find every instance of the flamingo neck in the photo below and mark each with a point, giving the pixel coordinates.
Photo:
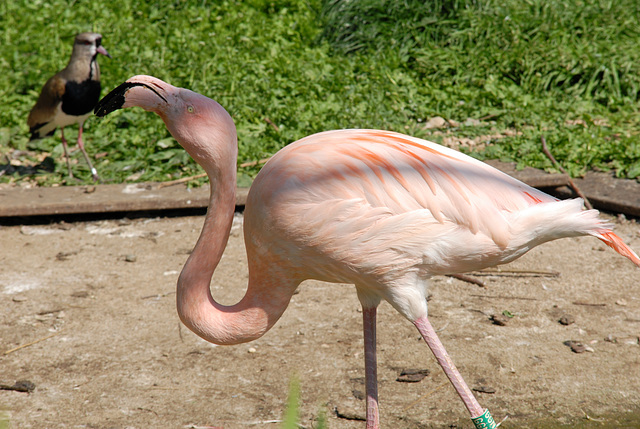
(268, 292)
(196, 307)
(253, 315)
(215, 148)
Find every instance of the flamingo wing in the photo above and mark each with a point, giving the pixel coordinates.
(397, 174)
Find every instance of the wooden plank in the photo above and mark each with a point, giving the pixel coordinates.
(18, 201)
(64, 200)
(607, 193)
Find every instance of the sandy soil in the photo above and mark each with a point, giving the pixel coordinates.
(100, 295)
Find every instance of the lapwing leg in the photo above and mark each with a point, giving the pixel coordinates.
(65, 146)
(94, 172)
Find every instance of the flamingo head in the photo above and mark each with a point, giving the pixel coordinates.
(198, 123)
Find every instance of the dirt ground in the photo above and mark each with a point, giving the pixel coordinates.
(99, 296)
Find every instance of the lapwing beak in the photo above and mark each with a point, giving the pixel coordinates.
(103, 51)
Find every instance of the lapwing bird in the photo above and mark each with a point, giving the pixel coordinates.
(70, 95)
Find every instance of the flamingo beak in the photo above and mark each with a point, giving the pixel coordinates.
(116, 98)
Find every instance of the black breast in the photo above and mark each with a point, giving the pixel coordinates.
(80, 98)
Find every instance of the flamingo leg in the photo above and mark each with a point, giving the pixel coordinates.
(371, 366)
(65, 146)
(434, 343)
(94, 172)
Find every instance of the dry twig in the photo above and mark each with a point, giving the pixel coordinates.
(588, 417)
(30, 344)
(198, 176)
(524, 298)
(274, 126)
(589, 304)
(468, 279)
(178, 181)
(516, 273)
(501, 273)
(254, 163)
(577, 190)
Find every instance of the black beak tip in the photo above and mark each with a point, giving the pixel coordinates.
(113, 100)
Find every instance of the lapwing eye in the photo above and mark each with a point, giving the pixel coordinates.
(190, 109)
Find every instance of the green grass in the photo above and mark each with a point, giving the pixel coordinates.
(291, 419)
(565, 69)
(5, 420)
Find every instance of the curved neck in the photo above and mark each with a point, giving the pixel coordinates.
(196, 307)
(261, 306)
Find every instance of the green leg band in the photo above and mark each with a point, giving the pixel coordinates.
(485, 421)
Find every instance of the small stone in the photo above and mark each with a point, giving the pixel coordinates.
(358, 394)
(64, 226)
(567, 320)
(412, 375)
(348, 414)
(130, 258)
(484, 389)
(252, 350)
(25, 386)
(80, 294)
(19, 298)
(63, 256)
(621, 302)
(499, 319)
(436, 122)
(611, 339)
(578, 347)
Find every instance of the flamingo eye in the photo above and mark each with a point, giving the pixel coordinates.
(190, 109)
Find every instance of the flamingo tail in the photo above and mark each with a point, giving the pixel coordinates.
(616, 243)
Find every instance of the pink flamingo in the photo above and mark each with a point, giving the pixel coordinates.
(377, 209)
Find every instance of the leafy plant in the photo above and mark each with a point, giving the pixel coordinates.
(566, 69)
(292, 413)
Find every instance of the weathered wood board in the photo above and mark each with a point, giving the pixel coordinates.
(19, 202)
(605, 192)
